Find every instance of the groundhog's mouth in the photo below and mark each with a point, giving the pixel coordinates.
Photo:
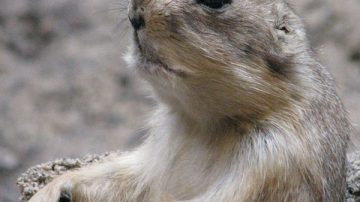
(151, 62)
(155, 63)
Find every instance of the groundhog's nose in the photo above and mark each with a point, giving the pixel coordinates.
(136, 18)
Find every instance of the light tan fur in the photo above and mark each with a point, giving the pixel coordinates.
(245, 112)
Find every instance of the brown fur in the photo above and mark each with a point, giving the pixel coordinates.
(245, 114)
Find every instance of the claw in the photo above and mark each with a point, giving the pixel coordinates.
(65, 196)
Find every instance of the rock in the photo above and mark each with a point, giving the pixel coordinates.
(38, 176)
(353, 178)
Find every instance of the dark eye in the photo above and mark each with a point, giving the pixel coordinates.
(214, 4)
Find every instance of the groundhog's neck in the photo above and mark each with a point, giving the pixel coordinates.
(215, 126)
(219, 114)
(240, 113)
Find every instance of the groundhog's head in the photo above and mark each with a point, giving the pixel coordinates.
(219, 58)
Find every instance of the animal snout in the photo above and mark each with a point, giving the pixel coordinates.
(136, 16)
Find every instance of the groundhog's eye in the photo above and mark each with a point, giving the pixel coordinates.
(214, 4)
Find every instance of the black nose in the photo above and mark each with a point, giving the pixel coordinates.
(137, 21)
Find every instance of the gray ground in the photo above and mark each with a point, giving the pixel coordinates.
(64, 90)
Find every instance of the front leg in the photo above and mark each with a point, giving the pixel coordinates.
(116, 179)
(59, 190)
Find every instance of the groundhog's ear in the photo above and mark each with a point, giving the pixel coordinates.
(283, 25)
(281, 15)
(277, 60)
(282, 21)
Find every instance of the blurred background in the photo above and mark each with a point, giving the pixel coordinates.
(65, 91)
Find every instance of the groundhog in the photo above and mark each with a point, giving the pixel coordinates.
(245, 111)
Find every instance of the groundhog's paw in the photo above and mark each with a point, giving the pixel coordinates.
(57, 191)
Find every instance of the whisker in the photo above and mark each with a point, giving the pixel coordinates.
(118, 7)
(122, 27)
